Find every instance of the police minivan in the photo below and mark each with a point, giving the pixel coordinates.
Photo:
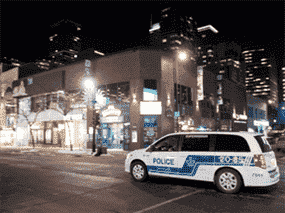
(229, 159)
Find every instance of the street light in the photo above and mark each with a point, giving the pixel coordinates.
(90, 86)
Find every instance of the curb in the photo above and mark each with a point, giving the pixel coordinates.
(87, 152)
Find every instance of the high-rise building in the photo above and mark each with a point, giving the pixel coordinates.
(174, 30)
(65, 41)
(282, 84)
(220, 56)
(261, 74)
(11, 63)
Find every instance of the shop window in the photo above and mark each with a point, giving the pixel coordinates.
(39, 103)
(150, 90)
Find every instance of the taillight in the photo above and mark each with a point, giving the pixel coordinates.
(259, 161)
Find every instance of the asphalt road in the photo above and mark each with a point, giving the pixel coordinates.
(49, 182)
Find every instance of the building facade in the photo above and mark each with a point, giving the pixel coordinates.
(8, 106)
(141, 96)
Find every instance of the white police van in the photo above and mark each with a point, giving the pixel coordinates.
(229, 159)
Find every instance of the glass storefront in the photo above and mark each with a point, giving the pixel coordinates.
(150, 129)
(115, 116)
(50, 133)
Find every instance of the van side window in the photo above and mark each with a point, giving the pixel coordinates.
(196, 143)
(167, 144)
(231, 143)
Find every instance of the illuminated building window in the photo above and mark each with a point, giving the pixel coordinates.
(246, 85)
(283, 79)
(210, 51)
(283, 87)
(199, 48)
(267, 78)
(269, 65)
(209, 62)
(250, 75)
(247, 71)
(203, 36)
(255, 66)
(222, 71)
(204, 61)
(204, 56)
(246, 81)
(164, 40)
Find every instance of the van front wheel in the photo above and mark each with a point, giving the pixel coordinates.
(228, 181)
(139, 171)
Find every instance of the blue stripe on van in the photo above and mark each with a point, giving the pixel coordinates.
(193, 162)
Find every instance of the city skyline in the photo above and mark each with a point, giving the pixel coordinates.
(248, 26)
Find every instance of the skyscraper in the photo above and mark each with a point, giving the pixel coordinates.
(173, 30)
(261, 74)
(65, 41)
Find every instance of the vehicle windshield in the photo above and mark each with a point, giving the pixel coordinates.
(263, 143)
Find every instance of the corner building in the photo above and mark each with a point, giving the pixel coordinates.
(145, 94)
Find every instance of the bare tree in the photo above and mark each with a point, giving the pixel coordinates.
(67, 100)
(29, 116)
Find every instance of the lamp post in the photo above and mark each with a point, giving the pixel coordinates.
(180, 55)
(90, 86)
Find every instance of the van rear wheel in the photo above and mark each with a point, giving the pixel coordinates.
(228, 181)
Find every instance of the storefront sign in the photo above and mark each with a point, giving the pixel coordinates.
(242, 117)
(150, 108)
(112, 119)
(87, 63)
(240, 122)
(74, 117)
(111, 111)
(20, 90)
(261, 123)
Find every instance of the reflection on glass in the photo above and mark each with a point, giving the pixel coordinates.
(48, 136)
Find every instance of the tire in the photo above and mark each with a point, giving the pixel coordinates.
(139, 171)
(228, 181)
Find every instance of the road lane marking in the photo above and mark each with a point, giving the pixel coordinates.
(168, 201)
(92, 177)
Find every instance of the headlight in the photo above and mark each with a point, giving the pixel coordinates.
(129, 155)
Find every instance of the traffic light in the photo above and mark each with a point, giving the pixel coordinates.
(96, 119)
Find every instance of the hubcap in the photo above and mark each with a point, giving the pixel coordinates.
(228, 181)
(138, 171)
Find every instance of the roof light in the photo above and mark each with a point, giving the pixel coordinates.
(98, 52)
(207, 27)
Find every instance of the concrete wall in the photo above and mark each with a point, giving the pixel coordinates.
(117, 68)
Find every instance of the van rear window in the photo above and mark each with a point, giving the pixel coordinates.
(263, 143)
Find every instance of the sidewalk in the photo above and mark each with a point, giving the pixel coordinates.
(110, 152)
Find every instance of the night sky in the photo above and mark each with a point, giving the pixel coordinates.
(114, 26)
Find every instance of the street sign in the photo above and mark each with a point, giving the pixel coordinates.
(177, 114)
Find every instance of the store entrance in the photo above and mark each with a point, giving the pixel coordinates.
(113, 135)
